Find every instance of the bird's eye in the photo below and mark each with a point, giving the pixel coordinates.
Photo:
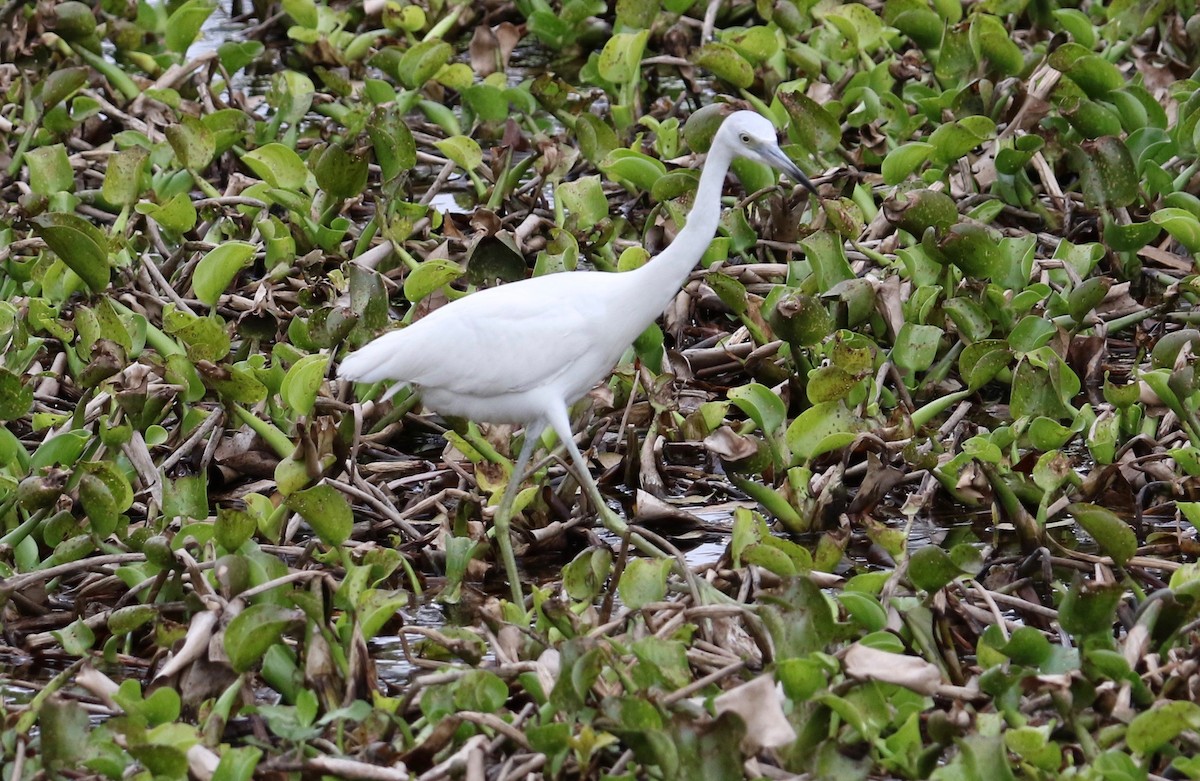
(745, 138)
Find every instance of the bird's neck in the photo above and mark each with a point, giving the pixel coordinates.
(667, 271)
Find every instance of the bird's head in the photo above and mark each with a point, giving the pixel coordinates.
(751, 135)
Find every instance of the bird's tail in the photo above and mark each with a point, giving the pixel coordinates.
(375, 361)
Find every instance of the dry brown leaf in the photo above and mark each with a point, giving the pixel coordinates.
(871, 664)
(759, 704)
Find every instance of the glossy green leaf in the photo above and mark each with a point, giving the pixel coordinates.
(277, 165)
(1111, 533)
(916, 346)
(254, 630)
(584, 198)
(424, 59)
(78, 244)
(177, 215)
(218, 268)
(428, 277)
(462, 150)
(725, 63)
(50, 170)
(820, 429)
(1183, 226)
(762, 405)
(193, 143)
(980, 362)
(302, 383)
(326, 511)
(341, 173)
(621, 58)
(627, 166)
(812, 125)
(930, 569)
(903, 160)
(184, 23)
(644, 581)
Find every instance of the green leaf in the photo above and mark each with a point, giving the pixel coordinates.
(725, 63)
(1089, 608)
(233, 527)
(954, 139)
(218, 268)
(584, 198)
(430, 276)
(762, 405)
(644, 581)
(277, 165)
(825, 250)
(812, 125)
(820, 429)
(340, 173)
(585, 575)
(488, 102)
(621, 58)
(177, 215)
(123, 177)
(1182, 225)
(969, 318)
(1108, 176)
(16, 398)
(254, 630)
(1087, 296)
(1153, 729)
(798, 318)
(303, 12)
(480, 690)
(49, 170)
(859, 24)
(79, 244)
(392, 142)
(930, 568)
(237, 764)
(992, 42)
(61, 84)
(326, 511)
(903, 160)
(302, 382)
(916, 346)
(633, 168)
(1095, 75)
(637, 13)
(193, 143)
(1111, 533)
(419, 64)
(462, 150)
(184, 23)
(235, 55)
(75, 638)
(1031, 333)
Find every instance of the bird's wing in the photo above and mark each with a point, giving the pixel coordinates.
(507, 339)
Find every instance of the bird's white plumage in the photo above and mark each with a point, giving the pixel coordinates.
(521, 352)
(481, 347)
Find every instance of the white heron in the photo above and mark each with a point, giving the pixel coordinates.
(523, 352)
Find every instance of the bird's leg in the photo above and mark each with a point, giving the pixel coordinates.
(562, 426)
(503, 517)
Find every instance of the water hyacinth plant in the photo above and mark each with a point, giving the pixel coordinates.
(926, 448)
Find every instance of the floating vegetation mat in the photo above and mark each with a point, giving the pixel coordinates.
(923, 450)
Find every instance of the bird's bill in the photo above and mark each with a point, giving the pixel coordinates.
(781, 161)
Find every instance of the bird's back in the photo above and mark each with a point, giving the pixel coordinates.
(558, 334)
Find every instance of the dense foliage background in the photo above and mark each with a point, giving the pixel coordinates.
(927, 446)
